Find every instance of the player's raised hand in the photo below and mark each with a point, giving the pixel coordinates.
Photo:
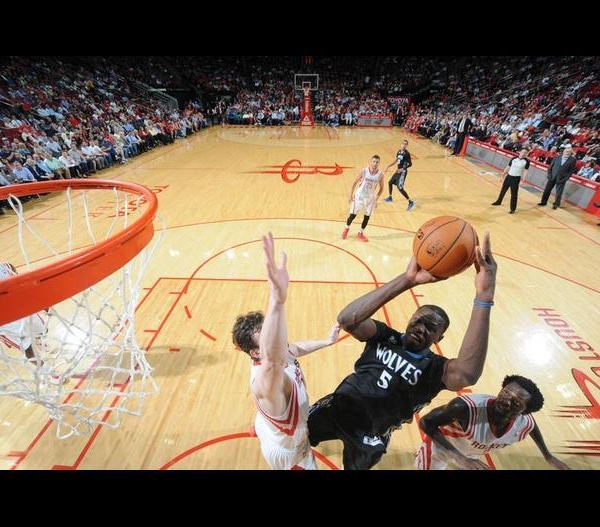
(278, 276)
(486, 266)
(334, 333)
(417, 275)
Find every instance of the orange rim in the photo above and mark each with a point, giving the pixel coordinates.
(32, 291)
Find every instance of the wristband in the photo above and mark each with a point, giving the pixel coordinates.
(485, 305)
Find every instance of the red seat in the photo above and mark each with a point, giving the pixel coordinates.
(536, 153)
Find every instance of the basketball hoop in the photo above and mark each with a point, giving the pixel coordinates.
(67, 331)
(306, 79)
(306, 87)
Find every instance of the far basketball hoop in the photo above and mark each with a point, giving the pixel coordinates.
(306, 82)
(301, 80)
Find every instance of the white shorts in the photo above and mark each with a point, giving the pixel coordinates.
(22, 333)
(359, 203)
(280, 458)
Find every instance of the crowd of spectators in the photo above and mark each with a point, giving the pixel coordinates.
(72, 117)
(542, 104)
(58, 122)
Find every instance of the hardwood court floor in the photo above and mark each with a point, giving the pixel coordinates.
(221, 189)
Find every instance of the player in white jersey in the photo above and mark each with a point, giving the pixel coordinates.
(366, 189)
(473, 425)
(276, 380)
(21, 334)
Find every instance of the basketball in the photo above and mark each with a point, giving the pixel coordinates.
(445, 246)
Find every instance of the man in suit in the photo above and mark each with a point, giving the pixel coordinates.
(559, 172)
(464, 127)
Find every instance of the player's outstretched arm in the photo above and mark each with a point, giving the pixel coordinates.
(271, 387)
(299, 349)
(390, 165)
(455, 410)
(536, 435)
(355, 317)
(466, 369)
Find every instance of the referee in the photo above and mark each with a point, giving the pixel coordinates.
(516, 169)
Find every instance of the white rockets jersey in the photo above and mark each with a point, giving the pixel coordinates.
(18, 334)
(479, 438)
(5, 270)
(284, 438)
(367, 184)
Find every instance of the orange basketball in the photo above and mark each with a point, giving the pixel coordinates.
(445, 246)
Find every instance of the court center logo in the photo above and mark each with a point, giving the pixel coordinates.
(292, 170)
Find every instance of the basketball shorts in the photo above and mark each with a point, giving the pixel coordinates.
(362, 450)
(399, 178)
(360, 202)
(277, 456)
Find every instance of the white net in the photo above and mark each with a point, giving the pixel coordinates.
(78, 358)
